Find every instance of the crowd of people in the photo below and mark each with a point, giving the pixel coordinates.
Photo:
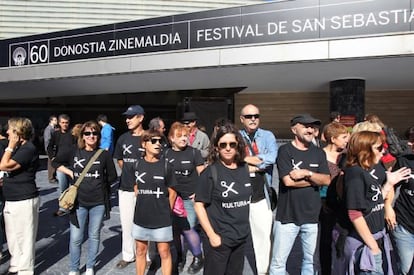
(344, 193)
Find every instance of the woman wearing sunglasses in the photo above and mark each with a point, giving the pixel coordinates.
(154, 185)
(222, 201)
(366, 184)
(92, 202)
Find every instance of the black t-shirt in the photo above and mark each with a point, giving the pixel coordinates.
(20, 184)
(152, 209)
(96, 182)
(226, 201)
(60, 148)
(185, 163)
(128, 149)
(404, 205)
(362, 190)
(299, 205)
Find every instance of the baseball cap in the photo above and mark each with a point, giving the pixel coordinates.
(134, 110)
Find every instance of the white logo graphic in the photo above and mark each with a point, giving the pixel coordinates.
(126, 149)
(372, 173)
(78, 162)
(138, 177)
(19, 56)
(296, 166)
(229, 188)
(376, 189)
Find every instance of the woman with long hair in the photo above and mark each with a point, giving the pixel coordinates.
(92, 202)
(21, 210)
(222, 203)
(366, 184)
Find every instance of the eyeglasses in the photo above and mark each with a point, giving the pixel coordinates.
(130, 117)
(252, 116)
(187, 122)
(155, 140)
(90, 133)
(223, 145)
(379, 148)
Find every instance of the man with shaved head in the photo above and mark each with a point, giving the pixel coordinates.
(261, 153)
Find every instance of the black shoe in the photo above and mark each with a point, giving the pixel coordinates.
(196, 265)
(122, 264)
(181, 266)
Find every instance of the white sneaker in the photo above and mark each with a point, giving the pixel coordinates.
(89, 271)
(74, 273)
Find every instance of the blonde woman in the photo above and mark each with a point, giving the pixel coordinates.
(21, 210)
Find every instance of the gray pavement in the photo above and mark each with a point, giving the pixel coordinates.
(52, 251)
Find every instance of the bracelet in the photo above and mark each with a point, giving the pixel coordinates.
(8, 149)
(310, 174)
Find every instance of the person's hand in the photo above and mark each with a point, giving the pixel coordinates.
(298, 174)
(215, 240)
(395, 177)
(390, 217)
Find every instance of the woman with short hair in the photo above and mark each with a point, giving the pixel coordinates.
(21, 210)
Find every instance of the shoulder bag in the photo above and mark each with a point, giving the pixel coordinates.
(68, 197)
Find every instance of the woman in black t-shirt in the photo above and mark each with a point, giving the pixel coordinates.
(188, 164)
(155, 198)
(92, 202)
(366, 184)
(21, 210)
(222, 203)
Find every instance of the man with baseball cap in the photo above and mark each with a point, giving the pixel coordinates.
(127, 152)
(302, 169)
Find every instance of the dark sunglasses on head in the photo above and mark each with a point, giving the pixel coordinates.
(155, 140)
(252, 116)
(223, 145)
(90, 133)
(186, 122)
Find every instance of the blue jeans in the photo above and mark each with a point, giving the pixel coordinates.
(95, 216)
(404, 242)
(63, 180)
(284, 238)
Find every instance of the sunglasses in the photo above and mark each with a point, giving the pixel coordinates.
(186, 122)
(251, 116)
(155, 140)
(379, 148)
(223, 145)
(90, 133)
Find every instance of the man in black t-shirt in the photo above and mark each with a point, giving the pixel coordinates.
(127, 152)
(302, 169)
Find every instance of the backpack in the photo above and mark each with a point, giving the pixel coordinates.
(396, 146)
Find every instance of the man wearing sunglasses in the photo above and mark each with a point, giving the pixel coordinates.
(303, 168)
(261, 153)
(197, 138)
(127, 152)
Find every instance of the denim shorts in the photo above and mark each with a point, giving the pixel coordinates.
(161, 235)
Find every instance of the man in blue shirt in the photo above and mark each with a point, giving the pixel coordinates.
(107, 134)
(261, 153)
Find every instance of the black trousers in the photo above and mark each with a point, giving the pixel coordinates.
(223, 260)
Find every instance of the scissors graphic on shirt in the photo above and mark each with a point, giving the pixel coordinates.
(376, 189)
(126, 149)
(373, 175)
(296, 165)
(225, 194)
(78, 162)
